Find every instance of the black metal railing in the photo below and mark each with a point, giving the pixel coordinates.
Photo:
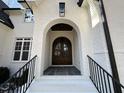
(103, 81)
(21, 80)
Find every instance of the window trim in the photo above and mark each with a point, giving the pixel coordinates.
(30, 48)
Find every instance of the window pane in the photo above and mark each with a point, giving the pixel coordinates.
(57, 51)
(25, 56)
(27, 39)
(26, 45)
(65, 49)
(58, 46)
(62, 6)
(18, 45)
(19, 39)
(65, 46)
(17, 56)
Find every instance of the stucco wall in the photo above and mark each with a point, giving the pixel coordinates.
(8, 36)
(47, 52)
(47, 14)
(115, 18)
(98, 41)
(100, 52)
(91, 41)
(77, 53)
(3, 31)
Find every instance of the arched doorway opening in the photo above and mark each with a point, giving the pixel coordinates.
(62, 51)
(62, 56)
(48, 36)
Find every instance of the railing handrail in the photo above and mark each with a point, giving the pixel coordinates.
(106, 71)
(99, 65)
(19, 70)
(30, 62)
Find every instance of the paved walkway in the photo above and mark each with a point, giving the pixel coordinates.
(65, 70)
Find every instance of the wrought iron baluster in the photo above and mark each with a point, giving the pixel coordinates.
(110, 91)
(101, 78)
(21, 80)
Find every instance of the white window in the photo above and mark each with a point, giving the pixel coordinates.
(61, 9)
(22, 49)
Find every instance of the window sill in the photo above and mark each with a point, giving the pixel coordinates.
(19, 61)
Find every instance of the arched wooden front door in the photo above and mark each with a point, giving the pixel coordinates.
(62, 52)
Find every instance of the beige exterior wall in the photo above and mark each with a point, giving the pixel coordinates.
(115, 18)
(3, 31)
(47, 15)
(91, 40)
(8, 37)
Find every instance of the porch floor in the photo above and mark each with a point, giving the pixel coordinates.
(64, 70)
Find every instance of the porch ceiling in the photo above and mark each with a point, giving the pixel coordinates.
(61, 27)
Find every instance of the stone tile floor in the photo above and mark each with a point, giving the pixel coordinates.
(65, 70)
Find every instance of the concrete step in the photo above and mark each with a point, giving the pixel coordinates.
(62, 84)
(62, 92)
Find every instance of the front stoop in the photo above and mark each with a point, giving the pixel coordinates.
(62, 84)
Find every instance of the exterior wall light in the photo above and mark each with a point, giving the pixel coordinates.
(28, 16)
(61, 9)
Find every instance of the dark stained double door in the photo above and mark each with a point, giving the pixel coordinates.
(62, 52)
